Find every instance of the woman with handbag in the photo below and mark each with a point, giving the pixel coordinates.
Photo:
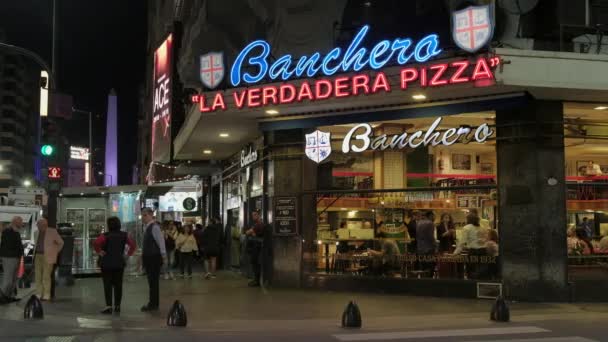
(112, 260)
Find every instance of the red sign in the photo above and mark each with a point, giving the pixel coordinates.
(54, 172)
(478, 72)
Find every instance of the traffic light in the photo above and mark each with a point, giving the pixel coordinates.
(54, 172)
(47, 150)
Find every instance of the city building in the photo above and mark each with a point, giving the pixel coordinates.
(19, 93)
(347, 124)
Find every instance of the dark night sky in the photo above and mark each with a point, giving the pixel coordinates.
(101, 46)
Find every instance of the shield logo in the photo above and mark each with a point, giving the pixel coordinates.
(472, 27)
(212, 69)
(318, 146)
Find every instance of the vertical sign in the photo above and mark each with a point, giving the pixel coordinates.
(161, 105)
(285, 216)
(44, 93)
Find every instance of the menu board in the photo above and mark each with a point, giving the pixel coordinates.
(285, 216)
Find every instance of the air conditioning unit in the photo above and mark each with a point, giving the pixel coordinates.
(591, 43)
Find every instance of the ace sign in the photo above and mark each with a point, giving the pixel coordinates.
(285, 216)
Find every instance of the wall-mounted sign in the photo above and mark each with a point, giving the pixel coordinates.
(79, 153)
(161, 107)
(54, 172)
(285, 216)
(174, 201)
(402, 50)
(189, 204)
(430, 137)
(360, 138)
(248, 156)
(472, 27)
(212, 69)
(479, 72)
(318, 145)
(252, 66)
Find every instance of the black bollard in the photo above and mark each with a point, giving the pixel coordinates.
(351, 318)
(500, 311)
(177, 315)
(33, 309)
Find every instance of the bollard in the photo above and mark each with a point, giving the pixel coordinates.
(351, 318)
(33, 309)
(177, 315)
(500, 310)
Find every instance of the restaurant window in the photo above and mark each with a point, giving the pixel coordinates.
(409, 212)
(586, 147)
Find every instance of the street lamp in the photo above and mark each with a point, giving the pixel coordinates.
(27, 183)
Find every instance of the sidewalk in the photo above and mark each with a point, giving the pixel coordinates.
(226, 304)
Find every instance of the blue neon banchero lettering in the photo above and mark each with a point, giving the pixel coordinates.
(254, 59)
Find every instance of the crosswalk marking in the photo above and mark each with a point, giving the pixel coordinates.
(439, 333)
(547, 339)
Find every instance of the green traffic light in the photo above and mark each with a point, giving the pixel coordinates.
(47, 150)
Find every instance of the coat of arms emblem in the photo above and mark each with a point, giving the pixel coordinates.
(212, 69)
(318, 146)
(472, 27)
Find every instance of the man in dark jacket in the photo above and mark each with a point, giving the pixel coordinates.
(255, 236)
(426, 244)
(211, 241)
(11, 251)
(154, 255)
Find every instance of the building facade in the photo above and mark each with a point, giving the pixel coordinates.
(19, 92)
(454, 149)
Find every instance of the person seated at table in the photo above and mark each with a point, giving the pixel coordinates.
(576, 245)
(426, 244)
(603, 245)
(474, 240)
(492, 250)
(388, 253)
(446, 233)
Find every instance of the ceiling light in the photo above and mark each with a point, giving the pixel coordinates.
(224, 135)
(207, 152)
(343, 209)
(419, 97)
(601, 107)
(272, 111)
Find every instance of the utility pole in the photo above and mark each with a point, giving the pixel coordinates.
(54, 59)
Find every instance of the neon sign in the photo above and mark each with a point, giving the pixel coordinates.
(415, 139)
(354, 58)
(478, 72)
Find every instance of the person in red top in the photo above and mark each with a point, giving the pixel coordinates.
(111, 249)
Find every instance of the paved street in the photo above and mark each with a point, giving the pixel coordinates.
(225, 309)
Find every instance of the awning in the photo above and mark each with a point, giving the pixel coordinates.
(8, 217)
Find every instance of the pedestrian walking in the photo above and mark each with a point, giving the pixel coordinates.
(255, 236)
(170, 234)
(48, 244)
(153, 255)
(11, 252)
(186, 244)
(211, 242)
(111, 248)
(198, 235)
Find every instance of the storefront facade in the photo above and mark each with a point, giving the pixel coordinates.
(370, 158)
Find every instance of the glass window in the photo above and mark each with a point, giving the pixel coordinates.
(586, 147)
(411, 212)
